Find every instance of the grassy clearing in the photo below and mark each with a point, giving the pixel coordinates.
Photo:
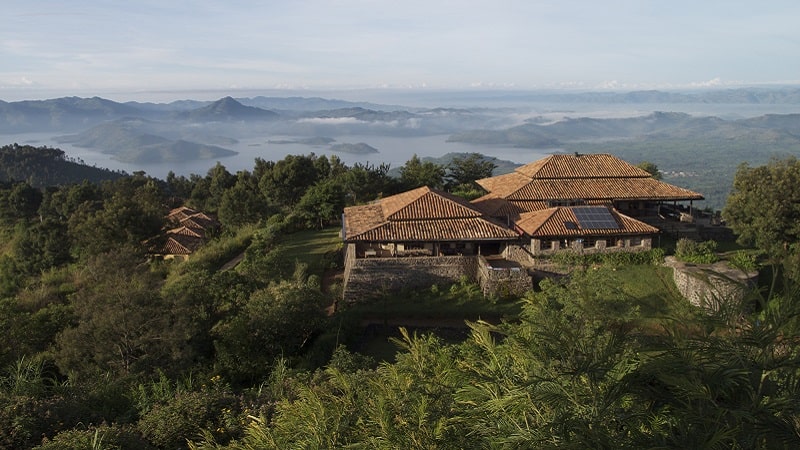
(313, 247)
(652, 288)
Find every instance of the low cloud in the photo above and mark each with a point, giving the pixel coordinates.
(332, 120)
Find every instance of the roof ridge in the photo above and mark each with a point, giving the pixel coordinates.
(394, 203)
(429, 195)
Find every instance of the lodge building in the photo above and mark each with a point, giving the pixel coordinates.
(582, 203)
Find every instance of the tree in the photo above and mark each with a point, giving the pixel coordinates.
(276, 321)
(243, 203)
(763, 208)
(416, 173)
(42, 245)
(23, 201)
(366, 182)
(322, 203)
(123, 326)
(122, 220)
(650, 168)
(463, 171)
(60, 203)
(467, 169)
(286, 181)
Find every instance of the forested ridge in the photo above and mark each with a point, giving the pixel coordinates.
(104, 348)
(43, 167)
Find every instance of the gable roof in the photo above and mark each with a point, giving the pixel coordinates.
(180, 213)
(553, 222)
(422, 214)
(600, 165)
(179, 244)
(586, 177)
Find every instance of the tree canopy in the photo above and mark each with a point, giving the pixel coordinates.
(763, 208)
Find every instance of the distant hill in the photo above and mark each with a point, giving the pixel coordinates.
(359, 148)
(301, 104)
(656, 125)
(226, 109)
(43, 167)
(749, 95)
(67, 113)
(129, 140)
(363, 114)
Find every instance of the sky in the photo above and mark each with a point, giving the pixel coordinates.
(142, 49)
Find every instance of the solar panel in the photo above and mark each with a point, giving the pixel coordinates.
(571, 225)
(595, 218)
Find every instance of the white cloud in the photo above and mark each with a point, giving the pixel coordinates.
(714, 82)
(332, 120)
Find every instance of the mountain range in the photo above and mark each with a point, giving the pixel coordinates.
(697, 151)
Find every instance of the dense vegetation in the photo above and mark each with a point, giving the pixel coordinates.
(103, 349)
(42, 167)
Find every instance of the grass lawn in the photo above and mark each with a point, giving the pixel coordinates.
(312, 247)
(652, 287)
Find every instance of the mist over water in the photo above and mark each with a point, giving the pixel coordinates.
(394, 151)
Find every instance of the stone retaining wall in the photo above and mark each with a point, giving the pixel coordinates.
(707, 285)
(371, 277)
(503, 281)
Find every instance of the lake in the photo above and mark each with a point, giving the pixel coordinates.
(397, 150)
(392, 150)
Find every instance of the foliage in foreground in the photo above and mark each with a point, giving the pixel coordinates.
(576, 372)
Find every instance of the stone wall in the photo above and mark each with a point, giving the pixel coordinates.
(503, 281)
(519, 252)
(371, 277)
(708, 285)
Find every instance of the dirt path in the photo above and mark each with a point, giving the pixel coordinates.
(232, 263)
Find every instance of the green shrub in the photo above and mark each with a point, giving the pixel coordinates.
(691, 251)
(171, 423)
(743, 260)
(572, 258)
(102, 437)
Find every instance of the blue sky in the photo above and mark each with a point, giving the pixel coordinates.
(132, 49)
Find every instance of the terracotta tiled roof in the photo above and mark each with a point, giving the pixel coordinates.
(499, 207)
(421, 214)
(599, 165)
(188, 234)
(178, 244)
(504, 185)
(588, 177)
(428, 204)
(459, 229)
(552, 222)
(187, 231)
(602, 189)
(199, 221)
(180, 213)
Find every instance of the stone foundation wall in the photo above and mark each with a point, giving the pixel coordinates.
(708, 285)
(371, 277)
(519, 252)
(503, 282)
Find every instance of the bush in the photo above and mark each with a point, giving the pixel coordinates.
(103, 437)
(690, 251)
(571, 258)
(743, 260)
(170, 424)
